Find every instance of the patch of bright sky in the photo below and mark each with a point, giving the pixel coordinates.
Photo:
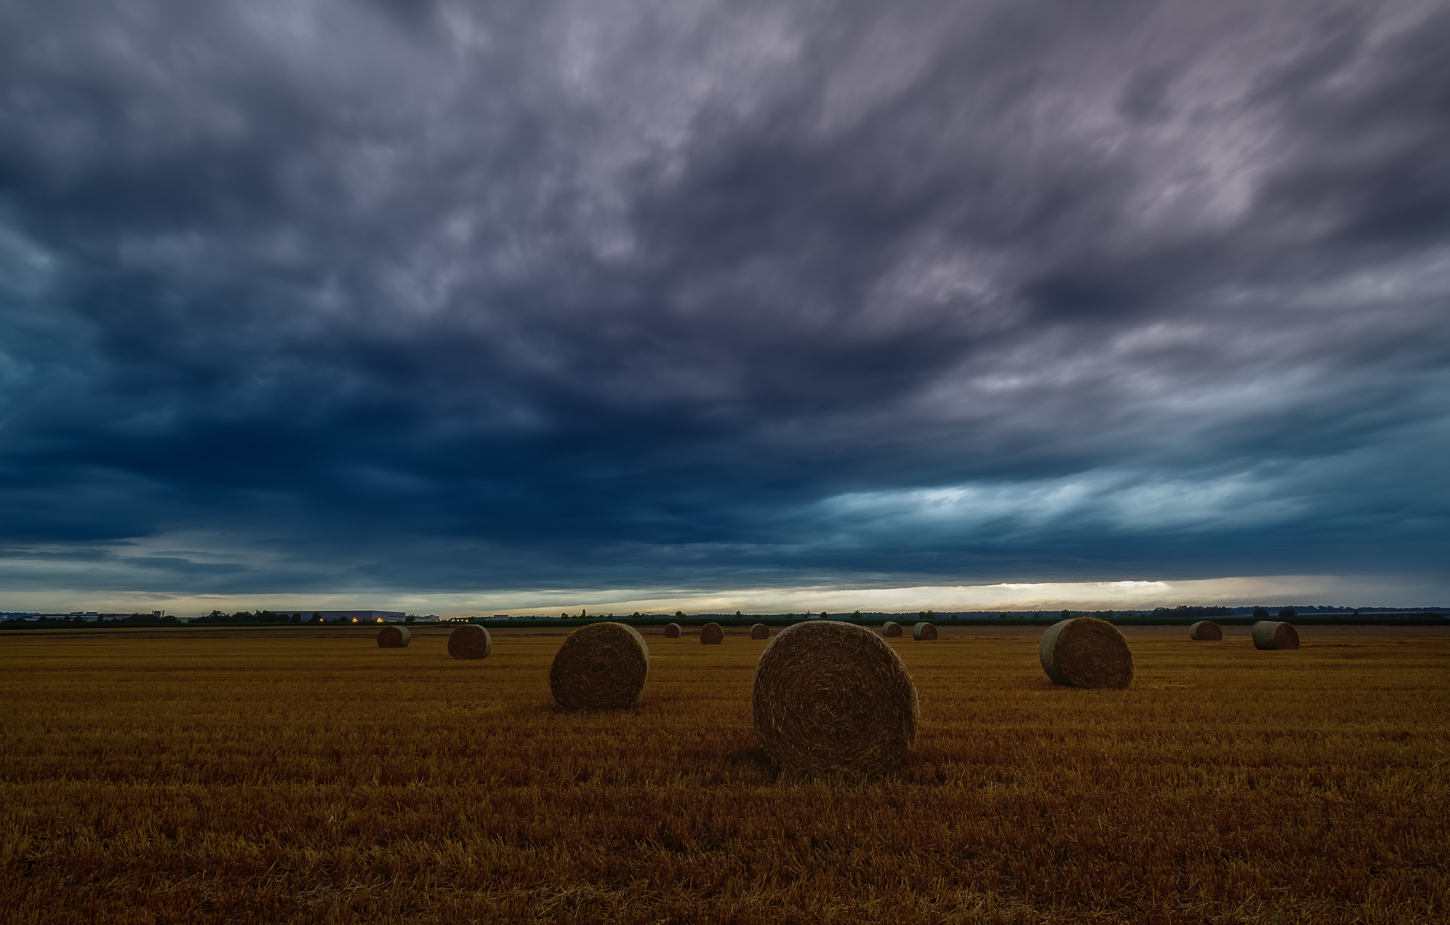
(1120, 500)
(1127, 594)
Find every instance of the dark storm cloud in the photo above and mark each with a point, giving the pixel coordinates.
(406, 295)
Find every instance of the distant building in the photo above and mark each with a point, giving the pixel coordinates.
(335, 616)
(75, 616)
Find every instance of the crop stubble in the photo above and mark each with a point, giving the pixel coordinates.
(167, 776)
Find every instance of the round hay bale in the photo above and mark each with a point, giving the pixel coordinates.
(760, 631)
(672, 631)
(394, 637)
(890, 629)
(1205, 631)
(470, 641)
(601, 666)
(830, 696)
(1086, 652)
(923, 631)
(711, 634)
(1271, 635)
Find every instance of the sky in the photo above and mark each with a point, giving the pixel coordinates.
(777, 306)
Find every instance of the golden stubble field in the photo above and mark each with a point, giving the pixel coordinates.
(309, 776)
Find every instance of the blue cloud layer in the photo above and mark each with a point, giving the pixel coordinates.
(420, 296)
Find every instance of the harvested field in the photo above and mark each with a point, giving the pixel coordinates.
(239, 775)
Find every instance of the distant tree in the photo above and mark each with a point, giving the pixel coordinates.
(581, 612)
(1287, 614)
(823, 615)
(317, 618)
(1066, 615)
(635, 615)
(738, 615)
(564, 616)
(790, 616)
(1260, 613)
(408, 619)
(855, 615)
(680, 614)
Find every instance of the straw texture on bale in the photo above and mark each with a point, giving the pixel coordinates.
(1271, 635)
(672, 631)
(1205, 630)
(601, 666)
(1086, 652)
(923, 631)
(470, 641)
(711, 634)
(890, 629)
(394, 637)
(760, 631)
(830, 696)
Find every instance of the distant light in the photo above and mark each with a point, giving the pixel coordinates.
(354, 619)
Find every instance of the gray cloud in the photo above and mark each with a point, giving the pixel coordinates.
(426, 296)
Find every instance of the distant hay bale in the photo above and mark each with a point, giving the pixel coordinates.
(890, 629)
(760, 631)
(672, 631)
(1086, 652)
(1271, 635)
(923, 631)
(711, 634)
(470, 641)
(1205, 631)
(394, 637)
(601, 666)
(830, 696)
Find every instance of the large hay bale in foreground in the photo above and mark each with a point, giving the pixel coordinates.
(394, 637)
(470, 641)
(601, 666)
(711, 634)
(672, 631)
(923, 631)
(760, 631)
(890, 629)
(830, 696)
(1086, 652)
(1205, 631)
(1271, 635)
